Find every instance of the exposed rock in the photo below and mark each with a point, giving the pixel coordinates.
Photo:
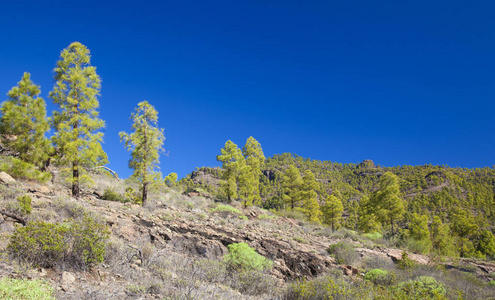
(6, 178)
(350, 270)
(67, 280)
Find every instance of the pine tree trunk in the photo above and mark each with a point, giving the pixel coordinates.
(75, 180)
(145, 192)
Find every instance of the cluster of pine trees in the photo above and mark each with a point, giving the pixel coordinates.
(75, 145)
(429, 209)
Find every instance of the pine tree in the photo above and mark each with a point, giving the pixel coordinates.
(232, 163)
(486, 243)
(249, 187)
(145, 144)
(311, 207)
(332, 211)
(367, 222)
(387, 202)
(441, 238)
(292, 184)
(23, 123)
(77, 140)
(418, 228)
(171, 179)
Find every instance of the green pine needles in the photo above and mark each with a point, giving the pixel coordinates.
(23, 123)
(145, 144)
(77, 140)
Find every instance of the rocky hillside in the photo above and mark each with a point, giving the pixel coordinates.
(173, 248)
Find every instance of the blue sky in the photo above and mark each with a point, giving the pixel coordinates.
(397, 82)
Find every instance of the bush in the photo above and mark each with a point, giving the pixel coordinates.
(424, 287)
(329, 288)
(380, 277)
(344, 253)
(112, 195)
(25, 289)
(226, 210)
(243, 257)
(79, 244)
(373, 236)
(405, 262)
(25, 204)
(22, 170)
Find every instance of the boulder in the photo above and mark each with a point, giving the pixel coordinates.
(6, 178)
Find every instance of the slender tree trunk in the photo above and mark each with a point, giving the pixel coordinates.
(75, 180)
(392, 224)
(145, 192)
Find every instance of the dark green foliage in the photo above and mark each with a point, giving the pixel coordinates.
(344, 253)
(75, 244)
(25, 204)
(243, 257)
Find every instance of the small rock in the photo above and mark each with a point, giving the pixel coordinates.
(67, 280)
(6, 178)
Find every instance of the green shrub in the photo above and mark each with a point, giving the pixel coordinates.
(405, 262)
(380, 277)
(300, 240)
(374, 236)
(112, 195)
(25, 204)
(225, 210)
(25, 289)
(266, 217)
(330, 288)
(22, 170)
(491, 283)
(344, 253)
(243, 257)
(78, 244)
(424, 287)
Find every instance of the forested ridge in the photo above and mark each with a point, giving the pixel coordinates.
(460, 202)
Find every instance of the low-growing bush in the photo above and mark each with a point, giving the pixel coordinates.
(293, 214)
(405, 262)
(344, 253)
(424, 287)
(25, 289)
(112, 195)
(25, 204)
(333, 288)
(76, 244)
(225, 210)
(374, 236)
(23, 170)
(243, 257)
(380, 277)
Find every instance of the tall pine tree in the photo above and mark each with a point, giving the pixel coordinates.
(387, 201)
(232, 163)
(249, 188)
(332, 211)
(145, 144)
(292, 184)
(77, 140)
(23, 123)
(310, 206)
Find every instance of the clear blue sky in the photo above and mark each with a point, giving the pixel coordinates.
(399, 82)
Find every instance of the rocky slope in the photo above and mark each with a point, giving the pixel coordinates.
(154, 249)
